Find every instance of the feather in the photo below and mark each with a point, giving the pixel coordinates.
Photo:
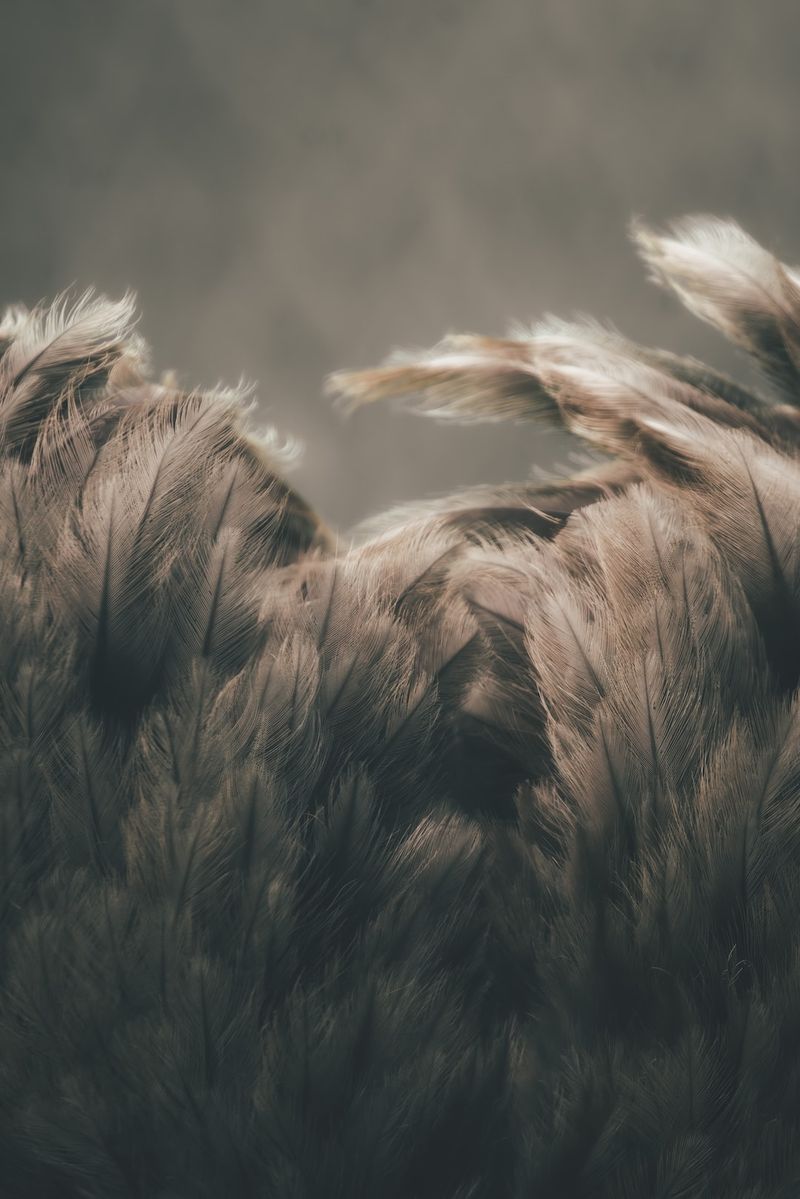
(723, 276)
(463, 378)
(54, 351)
(745, 494)
(708, 392)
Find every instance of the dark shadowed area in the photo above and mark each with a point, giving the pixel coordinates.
(297, 187)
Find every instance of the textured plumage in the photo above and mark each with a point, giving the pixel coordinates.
(461, 861)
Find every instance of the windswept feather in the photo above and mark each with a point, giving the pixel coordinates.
(726, 278)
(463, 378)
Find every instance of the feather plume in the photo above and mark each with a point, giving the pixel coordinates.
(54, 351)
(464, 378)
(725, 277)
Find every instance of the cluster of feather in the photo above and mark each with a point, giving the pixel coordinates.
(459, 863)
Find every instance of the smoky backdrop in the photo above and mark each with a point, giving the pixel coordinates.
(296, 186)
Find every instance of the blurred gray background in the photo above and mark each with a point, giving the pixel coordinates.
(295, 186)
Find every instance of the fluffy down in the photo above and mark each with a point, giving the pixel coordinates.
(458, 862)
